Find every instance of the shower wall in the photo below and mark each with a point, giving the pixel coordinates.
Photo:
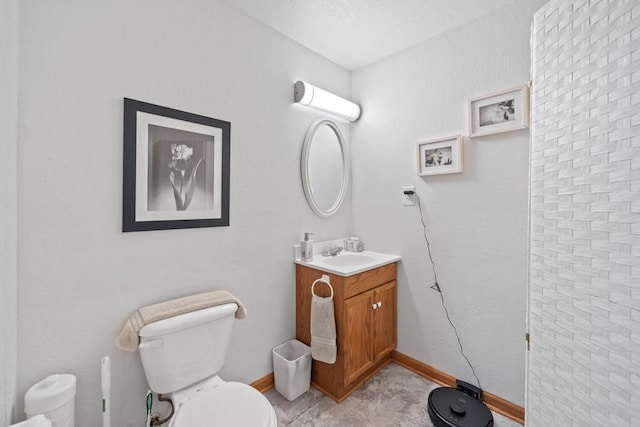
(585, 215)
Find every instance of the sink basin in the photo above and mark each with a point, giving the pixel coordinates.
(350, 263)
(349, 260)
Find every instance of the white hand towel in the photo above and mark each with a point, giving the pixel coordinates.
(323, 330)
(128, 340)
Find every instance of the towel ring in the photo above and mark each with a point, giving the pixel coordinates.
(323, 280)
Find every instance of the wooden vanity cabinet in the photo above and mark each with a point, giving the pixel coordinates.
(365, 313)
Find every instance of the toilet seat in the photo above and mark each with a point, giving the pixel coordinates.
(229, 404)
(37, 421)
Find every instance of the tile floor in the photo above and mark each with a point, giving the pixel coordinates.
(394, 397)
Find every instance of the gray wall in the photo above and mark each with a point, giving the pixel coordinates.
(80, 276)
(9, 12)
(477, 220)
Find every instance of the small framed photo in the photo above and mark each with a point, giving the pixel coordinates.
(439, 156)
(498, 112)
(175, 169)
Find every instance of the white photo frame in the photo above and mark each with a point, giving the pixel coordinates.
(498, 112)
(439, 156)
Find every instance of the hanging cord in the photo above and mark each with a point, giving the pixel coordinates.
(436, 287)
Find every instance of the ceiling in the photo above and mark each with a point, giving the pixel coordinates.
(355, 33)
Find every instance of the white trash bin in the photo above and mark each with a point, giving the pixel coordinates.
(54, 397)
(292, 369)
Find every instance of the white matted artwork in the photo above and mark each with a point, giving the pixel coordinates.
(439, 156)
(176, 169)
(498, 112)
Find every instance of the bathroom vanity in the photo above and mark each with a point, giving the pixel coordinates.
(365, 315)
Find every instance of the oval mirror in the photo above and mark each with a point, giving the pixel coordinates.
(324, 167)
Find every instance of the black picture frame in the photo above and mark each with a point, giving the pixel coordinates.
(175, 169)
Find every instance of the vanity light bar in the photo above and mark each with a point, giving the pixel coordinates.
(311, 96)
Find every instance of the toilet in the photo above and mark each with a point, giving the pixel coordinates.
(181, 357)
(37, 421)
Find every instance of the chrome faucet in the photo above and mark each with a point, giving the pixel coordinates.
(333, 251)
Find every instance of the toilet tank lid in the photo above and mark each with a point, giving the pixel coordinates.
(187, 320)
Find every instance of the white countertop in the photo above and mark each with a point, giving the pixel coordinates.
(349, 263)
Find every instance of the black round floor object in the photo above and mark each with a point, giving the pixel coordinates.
(461, 407)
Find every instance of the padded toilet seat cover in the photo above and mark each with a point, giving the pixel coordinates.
(230, 404)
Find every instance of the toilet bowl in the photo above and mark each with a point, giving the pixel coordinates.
(227, 404)
(181, 357)
(37, 421)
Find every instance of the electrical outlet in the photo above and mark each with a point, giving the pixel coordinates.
(409, 199)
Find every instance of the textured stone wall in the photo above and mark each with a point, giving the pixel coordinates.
(584, 361)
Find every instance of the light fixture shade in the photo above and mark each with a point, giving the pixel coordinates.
(314, 97)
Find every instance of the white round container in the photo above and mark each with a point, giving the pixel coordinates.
(54, 397)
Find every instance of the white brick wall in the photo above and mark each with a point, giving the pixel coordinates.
(584, 363)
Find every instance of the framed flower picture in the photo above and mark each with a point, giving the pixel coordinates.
(499, 112)
(175, 169)
(440, 156)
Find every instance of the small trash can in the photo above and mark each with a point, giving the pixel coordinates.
(292, 369)
(54, 397)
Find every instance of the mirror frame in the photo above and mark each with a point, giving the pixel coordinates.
(304, 168)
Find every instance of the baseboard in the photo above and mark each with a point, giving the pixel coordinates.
(495, 403)
(267, 382)
(263, 384)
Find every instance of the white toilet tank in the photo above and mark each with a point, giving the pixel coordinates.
(182, 350)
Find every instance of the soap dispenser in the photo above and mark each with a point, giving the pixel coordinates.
(306, 248)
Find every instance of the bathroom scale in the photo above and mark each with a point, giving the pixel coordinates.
(458, 407)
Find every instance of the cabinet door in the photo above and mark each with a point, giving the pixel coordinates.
(384, 320)
(358, 346)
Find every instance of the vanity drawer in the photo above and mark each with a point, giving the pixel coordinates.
(366, 280)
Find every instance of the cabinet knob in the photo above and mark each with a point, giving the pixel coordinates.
(374, 305)
(379, 304)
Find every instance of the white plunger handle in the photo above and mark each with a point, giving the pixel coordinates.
(106, 389)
